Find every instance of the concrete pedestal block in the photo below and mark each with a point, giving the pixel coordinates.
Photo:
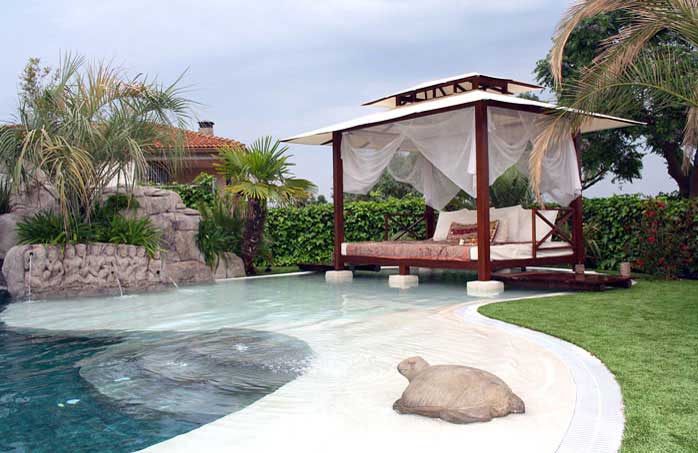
(339, 276)
(489, 288)
(579, 269)
(403, 281)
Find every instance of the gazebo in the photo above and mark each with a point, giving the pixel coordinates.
(453, 134)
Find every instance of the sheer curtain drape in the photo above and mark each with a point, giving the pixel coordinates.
(436, 155)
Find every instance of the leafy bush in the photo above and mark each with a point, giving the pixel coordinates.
(306, 235)
(667, 244)
(47, 227)
(612, 226)
(201, 192)
(220, 230)
(140, 232)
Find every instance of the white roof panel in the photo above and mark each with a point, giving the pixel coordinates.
(323, 136)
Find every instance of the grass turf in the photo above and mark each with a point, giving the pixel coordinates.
(648, 337)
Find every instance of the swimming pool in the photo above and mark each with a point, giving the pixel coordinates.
(123, 373)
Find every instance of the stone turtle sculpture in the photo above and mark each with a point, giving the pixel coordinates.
(456, 394)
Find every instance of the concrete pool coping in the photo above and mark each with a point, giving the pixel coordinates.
(597, 419)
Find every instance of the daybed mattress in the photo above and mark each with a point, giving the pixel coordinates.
(448, 251)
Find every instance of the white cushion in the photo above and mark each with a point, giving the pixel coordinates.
(443, 225)
(526, 225)
(508, 222)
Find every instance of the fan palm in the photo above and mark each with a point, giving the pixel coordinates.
(627, 68)
(260, 175)
(87, 127)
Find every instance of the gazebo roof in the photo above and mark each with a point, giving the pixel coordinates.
(448, 86)
(323, 136)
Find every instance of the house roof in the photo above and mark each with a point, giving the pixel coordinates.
(200, 142)
(323, 136)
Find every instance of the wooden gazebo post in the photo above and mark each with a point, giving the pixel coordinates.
(484, 266)
(338, 198)
(577, 218)
(484, 286)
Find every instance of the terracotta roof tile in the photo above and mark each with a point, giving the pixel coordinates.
(197, 140)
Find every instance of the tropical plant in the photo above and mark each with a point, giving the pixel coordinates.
(627, 68)
(5, 195)
(108, 225)
(84, 126)
(202, 190)
(220, 229)
(140, 232)
(260, 174)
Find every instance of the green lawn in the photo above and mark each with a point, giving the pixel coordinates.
(648, 337)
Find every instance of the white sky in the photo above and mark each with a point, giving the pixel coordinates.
(282, 67)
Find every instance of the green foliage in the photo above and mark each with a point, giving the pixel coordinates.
(140, 232)
(85, 125)
(386, 187)
(202, 191)
(658, 235)
(306, 235)
(220, 230)
(47, 227)
(614, 152)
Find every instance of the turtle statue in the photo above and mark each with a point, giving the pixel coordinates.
(456, 394)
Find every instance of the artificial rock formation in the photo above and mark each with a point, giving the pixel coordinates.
(456, 394)
(180, 260)
(81, 270)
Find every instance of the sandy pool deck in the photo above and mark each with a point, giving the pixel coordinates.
(343, 402)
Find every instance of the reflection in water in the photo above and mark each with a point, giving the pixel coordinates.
(198, 376)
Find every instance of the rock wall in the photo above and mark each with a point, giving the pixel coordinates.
(179, 225)
(93, 269)
(81, 270)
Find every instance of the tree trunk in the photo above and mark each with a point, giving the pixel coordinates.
(254, 231)
(672, 155)
(693, 193)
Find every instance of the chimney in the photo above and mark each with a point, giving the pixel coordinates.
(206, 127)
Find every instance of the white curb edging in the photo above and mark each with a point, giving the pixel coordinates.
(598, 421)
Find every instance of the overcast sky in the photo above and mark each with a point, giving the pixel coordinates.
(283, 67)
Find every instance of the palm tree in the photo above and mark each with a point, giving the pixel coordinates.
(84, 126)
(627, 68)
(260, 175)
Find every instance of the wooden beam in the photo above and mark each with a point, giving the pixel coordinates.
(578, 209)
(484, 269)
(338, 198)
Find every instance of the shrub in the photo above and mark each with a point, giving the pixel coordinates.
(47, 227)
(201, 192)
(141, 232)
(220, 230)
(306, 235)
(667, 244)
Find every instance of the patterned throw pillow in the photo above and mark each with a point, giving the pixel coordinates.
(468, 233)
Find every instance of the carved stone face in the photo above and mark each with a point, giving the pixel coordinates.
(109, 250)
(123, 251)
(140, 252)
(52, 253)
(69, 251)
(132, 251)
(81, 250)
(95, 249)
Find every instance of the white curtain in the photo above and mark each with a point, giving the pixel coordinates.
(436, 155)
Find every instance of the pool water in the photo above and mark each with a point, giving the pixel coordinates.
(122, 373)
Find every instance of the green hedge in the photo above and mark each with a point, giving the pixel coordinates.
(305, 235)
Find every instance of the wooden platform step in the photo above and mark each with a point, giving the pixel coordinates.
(566, 281)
